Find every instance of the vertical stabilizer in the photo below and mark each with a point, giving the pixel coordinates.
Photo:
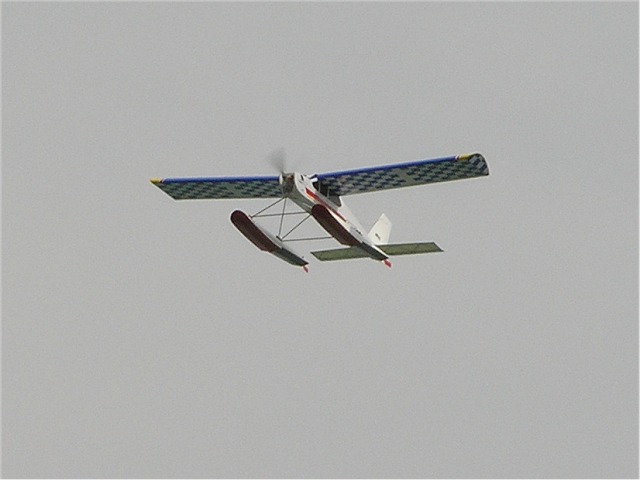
(381, 230)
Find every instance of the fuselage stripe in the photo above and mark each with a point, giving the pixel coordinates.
(321, 202)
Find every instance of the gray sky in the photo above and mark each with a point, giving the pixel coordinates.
(146, 337)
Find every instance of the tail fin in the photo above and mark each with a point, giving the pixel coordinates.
(381, 230)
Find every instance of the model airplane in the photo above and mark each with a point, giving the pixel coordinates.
(320, 197)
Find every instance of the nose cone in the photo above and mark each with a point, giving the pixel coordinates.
(287, 183)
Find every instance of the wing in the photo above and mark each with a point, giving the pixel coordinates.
(219, 187)
(373, 179)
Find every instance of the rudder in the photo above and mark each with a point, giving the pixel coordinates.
(381, 230)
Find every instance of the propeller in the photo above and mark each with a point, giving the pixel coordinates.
(278, 160)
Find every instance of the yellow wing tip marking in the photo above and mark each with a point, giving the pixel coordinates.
(156, 181)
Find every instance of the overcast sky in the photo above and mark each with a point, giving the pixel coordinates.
(144, 337)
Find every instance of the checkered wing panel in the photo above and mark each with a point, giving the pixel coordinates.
(408, 174)
(220, 187)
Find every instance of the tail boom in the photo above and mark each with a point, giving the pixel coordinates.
(329, 222)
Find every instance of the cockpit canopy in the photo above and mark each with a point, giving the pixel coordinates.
(326, 191)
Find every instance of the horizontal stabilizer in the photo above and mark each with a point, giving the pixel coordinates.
(390, 249)
(409, 248)
(340, 254)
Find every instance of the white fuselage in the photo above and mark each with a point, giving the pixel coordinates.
(301, 190)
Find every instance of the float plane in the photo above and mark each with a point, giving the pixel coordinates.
(321, 196)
